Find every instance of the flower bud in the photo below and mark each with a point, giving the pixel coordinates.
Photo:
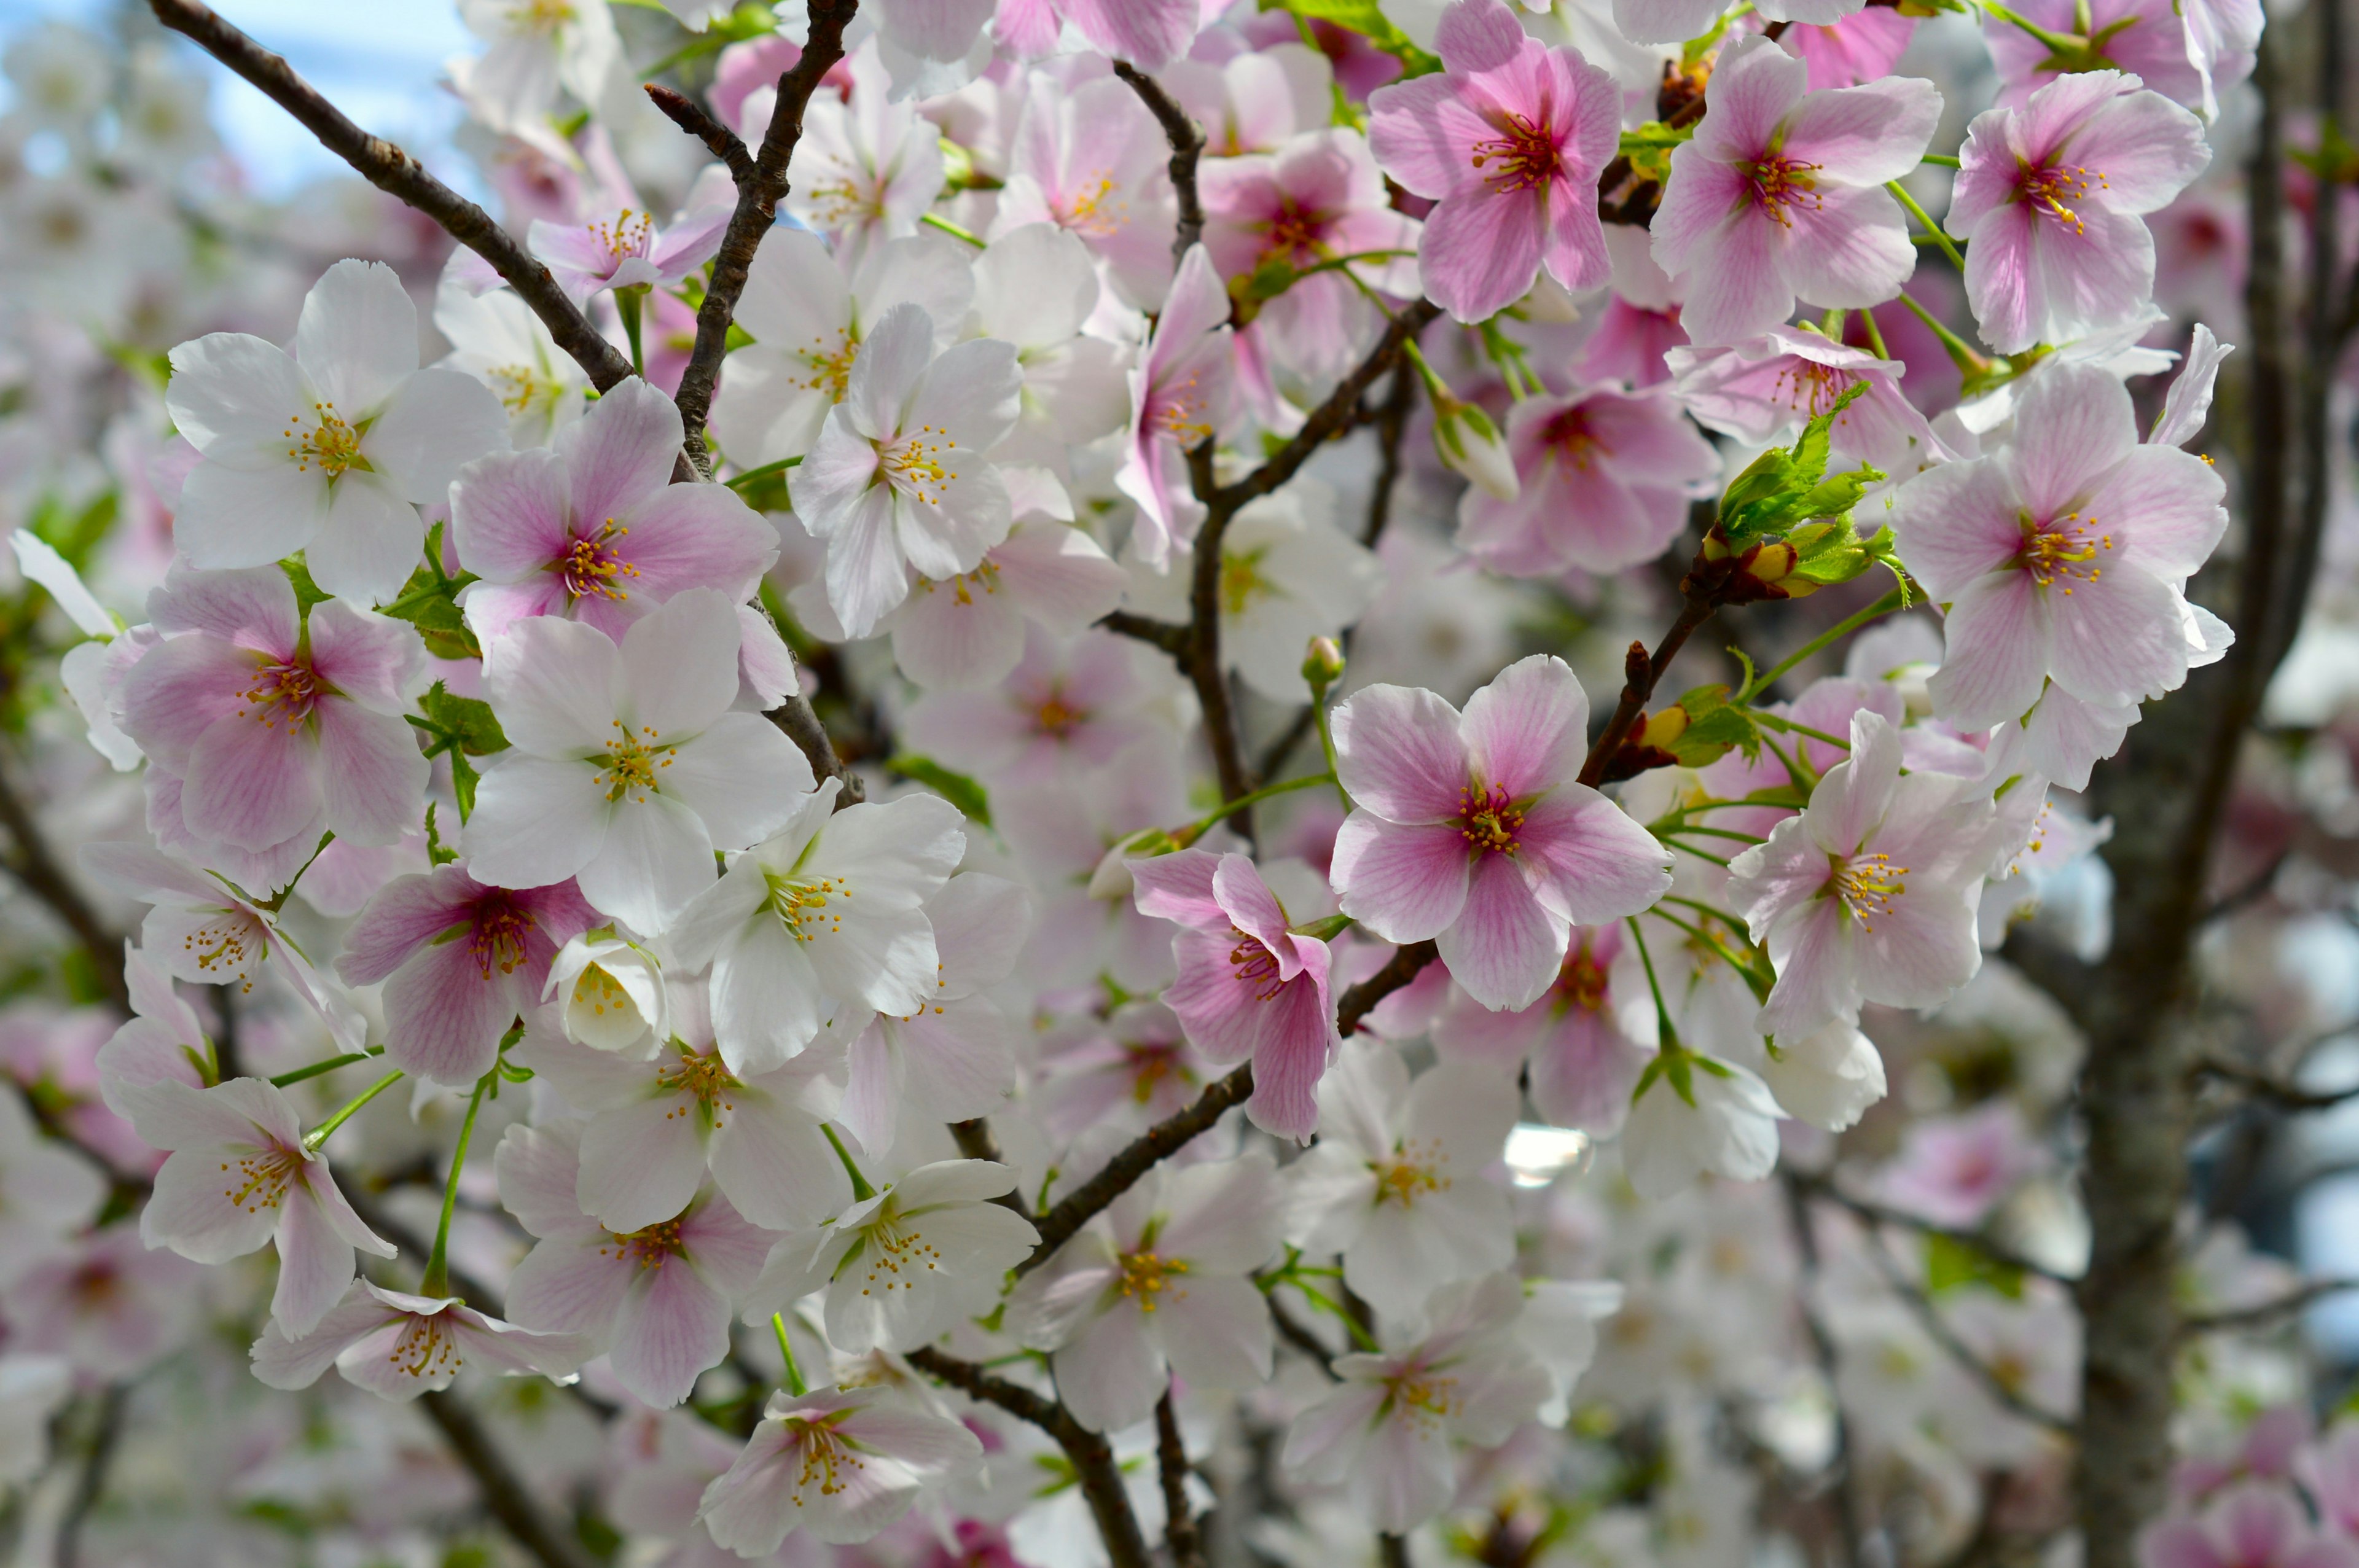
(1323, 664)
(1469, 444)
(612, 992)
(1111, 880)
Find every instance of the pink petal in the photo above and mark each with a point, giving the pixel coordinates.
(1399, 755)
(1405, 883)
(1505, 948)
(1528, 729)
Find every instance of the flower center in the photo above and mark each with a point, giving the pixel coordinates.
(1242, 582)
(627, 235)
(428, 1347)
(282, 694)
(1058, 718)
(262, 1176)
(1256, 969)
(1810, 388)
(1297, 233)
(600, 993)
(837, 203)
(225, 943)
(2066, 548)
(592, 567)
(633, 762)
(2054, 189)
(802, 907)
(519, 386)
(544, 16)
(1522, 156)
(1581, 983)
(649, 1246)
(914, 464)
(1570, 436)
(1415, 1168)
(1144, 1276)
(1781, 183)
(1091, 212)
(496, 936)
(1422, 1399)
(824, 1460)
(830, 368)
(1182, 411)
(1870, 885)
(705, 1078)
(328, 441)
(896, 1258)
(1489, 820)
(985, 578)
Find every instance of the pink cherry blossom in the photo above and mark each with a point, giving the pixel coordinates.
(1605, 478)
(1248, 986)
(1955, 1170)
(2063, 555)
(1779, 193)
(242, 1174)
(1762, 390)
(1860, 47)
(657, 1300)
(1869, 894)
(1148, 33)
(2251, 1524)
(278, 725)
(969, 632)
(1181, 393)
(1473, 829)
(1089, 157)
(109, 1305)
(162, 1040)
(1319, 198)
(398, 1345)
(2051, 199)
(461, 962)
(592, 528)
(1509, 140)
(1585, 1044)
(1066, 706)
(839, 1464)
(623, 248)
(2145, 38)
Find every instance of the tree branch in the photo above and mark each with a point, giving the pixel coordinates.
(1187, 139)
(718, 139)
(1641, 672)
(107, 1431)
(504, 1493)
(1874, 1213)
(759, 190)
(38, 873)
(1334, 417)
(1937, 1329)
(394, 171)
(1092, 1459)
(2264, 1086)
(1180, 1532)
(2261, 1312)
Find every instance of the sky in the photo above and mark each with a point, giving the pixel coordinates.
(379, 60)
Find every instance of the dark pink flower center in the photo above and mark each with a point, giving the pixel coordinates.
(496, 936)
(1523, 156)
(1580, 982)
(1568, 435)
(1254, 967)
(1488, 819)
(2054, 188)
(283, 694)
(2064, 548)
(594, 568)
(1810, 388)
(1297, 233)
(1056, 718)
(1781, 183)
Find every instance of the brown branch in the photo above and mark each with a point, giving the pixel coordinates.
(1187, 139)
(38, 873)
(2261, 1312)
(719, 139)
(1877, 1215)
(504, 1493)
(2263, 1085)
(1403, 967)
(1170, 636)
(801, 723)
(1180, 1532)
(1937, 1327)
(1292, 1330)
(759, 192)
(106, 1433)
(975, 1141)
(394, 171)
(1093, 1458)
(1641, 672)
(1334, 417)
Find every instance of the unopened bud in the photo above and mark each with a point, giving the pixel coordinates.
(1469, 444)
(1111, 880)
(1661, 730)
(1323, 664)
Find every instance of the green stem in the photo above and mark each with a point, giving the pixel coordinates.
(1670, 1039)
(1698, 854)
(1326, 1304)
(861, 1191)
(795, 1385)
(1787, 726)
(318, 1135)
(1939, 160)
(437, 1280)
(1721, 833)
(1941, 239)
(1308, 781)
(1843, 628)
(317, 1068)
(1963, 354)
(626, 301)
(1874, 334)
(935, 220)
(765, 472)
(1706, 938)
(2063, 43)
(1327, 744)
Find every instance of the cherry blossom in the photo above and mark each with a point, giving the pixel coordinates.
(1587, 1039)
(865, 165)
(398, 1345)
(2051, 199)
(971, 632)
(1508, 141)
(610, 993)
(1473, 830)
(627, 769)
(840, 1465)
(1721, 1119)
(1764, 390)
(1179, 398)
(623, 248)
(1778, 195)
(1149, 33)
(1089, 159)
(591, 527)
(324, 449)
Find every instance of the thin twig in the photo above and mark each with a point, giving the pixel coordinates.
(1187, 139)
(974, 1140)
(1179, 1533)
(1171, 637)
(2267, 1086)
(758, 194)
(38, 873)
(1875, 1213)
(1641, 672)
(506, 1494)
(1334, 417)
(106, 1432)
(1937, 1328)
(719, 139)
(2260, 1313)
(1091, 1457)
(391, 170)
(1292, 1329)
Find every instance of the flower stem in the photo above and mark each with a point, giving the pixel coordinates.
(1962, 354)
(1327, 743)
(2063, 43)
(437, 1280)
(937, 221)
(1941, 239)
(1939, 160)
(1874, 334)
(765, 472)
(1670, 1041)
(1309, 781)
(1842, 629)
(861, 1190)
(627, 301)
(318, 1068)
(318, 1135)
(795, 1385)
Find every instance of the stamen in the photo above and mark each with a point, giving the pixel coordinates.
(1522, 157)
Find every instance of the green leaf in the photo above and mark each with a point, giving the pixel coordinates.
(1366, 18)
(961, 791)
(459, 728)
(1951, 1263)
(307, 592)
(1784, 488)
(429, 601)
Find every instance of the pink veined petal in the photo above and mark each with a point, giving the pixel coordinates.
(252, 782)
(403, 916)
(1752, 89)
(1287, 1067)
(1920, 950)
(2118, 639)
(1478, 35)
(1817, 972)
(1956, 523)
(510, 513)
(641, 1162)
(1999, 650)
(2162, 508)
(1420, 132)
(1180, 887)
(1583, 1073)
(696, 535)
(620, 453)
(180, 688)
(1999, 277)
(1735, 286)
(1849, 249)
(372, 773)
(1527, 730)
(1605, 865)
(254, 608)
(2073, 427)
(315, 1264)
(1480, 252)
(1865, 136)
(1505, 948)
(1405, 883)
(1253, 909)
(573, 1282)
(1399, 753)
(673, 1324)
(1150, 34)
(370, 659)
(444, 1015)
